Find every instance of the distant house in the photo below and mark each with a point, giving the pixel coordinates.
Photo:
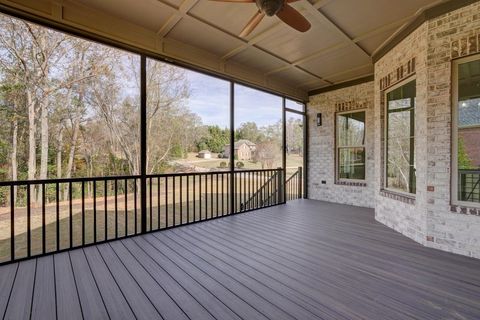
(244, 150)
(204, 154)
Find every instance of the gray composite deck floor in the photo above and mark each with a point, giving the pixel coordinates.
(303, 260)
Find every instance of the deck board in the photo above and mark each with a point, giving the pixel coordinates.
(304, 260)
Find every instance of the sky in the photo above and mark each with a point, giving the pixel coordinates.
(210, 99)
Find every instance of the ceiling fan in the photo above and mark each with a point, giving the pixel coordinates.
(280, 8)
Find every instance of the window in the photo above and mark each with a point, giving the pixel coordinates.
(400, 138)
(351, 145)
(466, 132)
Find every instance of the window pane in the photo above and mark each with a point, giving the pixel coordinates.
(188, 116)
(68, 107)
(351, 129)
(400, 142)
(294, 148)
(351, 163)
(258, 129)
(468, 148)
(294, 105)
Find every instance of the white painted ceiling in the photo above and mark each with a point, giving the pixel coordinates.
(338, 47)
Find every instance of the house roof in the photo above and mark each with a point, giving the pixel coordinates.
(241, 142)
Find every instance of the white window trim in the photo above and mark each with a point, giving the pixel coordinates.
(454, 149)
(385, 136)
(337, 147)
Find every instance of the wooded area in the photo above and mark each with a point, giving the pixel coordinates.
(70, 108)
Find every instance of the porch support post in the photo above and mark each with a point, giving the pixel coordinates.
(143, 142)
(232, 148)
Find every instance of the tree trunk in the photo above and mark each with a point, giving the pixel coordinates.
(32, 130)
(13, 156)
(59, 153)
(71, 154)
(43, 145)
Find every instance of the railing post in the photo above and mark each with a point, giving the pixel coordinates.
(300, 183)
(143, 142)
(281, 185)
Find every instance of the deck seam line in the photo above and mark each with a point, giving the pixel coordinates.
(11, 289)
(96, 284)
(33, 288)
(76, 285)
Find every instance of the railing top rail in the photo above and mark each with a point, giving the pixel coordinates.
(65, 180)
(128, 177)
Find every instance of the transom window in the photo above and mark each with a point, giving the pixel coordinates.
(400, 138)
(351, 145)
(466, 131)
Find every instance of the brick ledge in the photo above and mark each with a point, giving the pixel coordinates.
(470, 211)
(397, 196)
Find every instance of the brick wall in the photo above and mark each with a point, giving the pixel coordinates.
(322, 146)
(428, 217)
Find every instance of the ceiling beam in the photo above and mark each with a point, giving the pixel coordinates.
(335, 74)
(180, 13)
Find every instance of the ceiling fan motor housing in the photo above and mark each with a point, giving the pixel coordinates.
(270, 7)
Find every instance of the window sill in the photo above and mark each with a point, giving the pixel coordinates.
(405, 198)
(465, 209)
(352, 183)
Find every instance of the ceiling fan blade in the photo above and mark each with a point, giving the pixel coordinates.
(293, 18)
(252, 24)
(237, 1)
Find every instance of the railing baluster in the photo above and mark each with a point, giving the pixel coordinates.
(126, 207)
(206, 196)
(166, 202)
(57, 200)
(105, 212)
(29, 213)
(228, 194)
(83, 213)
(158, 202)
(95, 210)
(211, 196)
(116, 207)
(174, 202)
(44, 231)
(188, 199)
(181, 199)
(12, 222)
(194, 205)
(151, 202)
(223, 194)
(135, 204)
(70, 214)
(200, 196)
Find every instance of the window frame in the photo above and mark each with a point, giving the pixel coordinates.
(454, 176)
(337, 147)
(385, 187)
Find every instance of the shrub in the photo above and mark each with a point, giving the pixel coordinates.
(240, 164)
(223, 164)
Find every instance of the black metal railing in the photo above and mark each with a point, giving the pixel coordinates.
(46, 216)
(265, 188)
(294, 185)
(469, 185)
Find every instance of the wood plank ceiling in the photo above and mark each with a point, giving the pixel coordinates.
(338, 47)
